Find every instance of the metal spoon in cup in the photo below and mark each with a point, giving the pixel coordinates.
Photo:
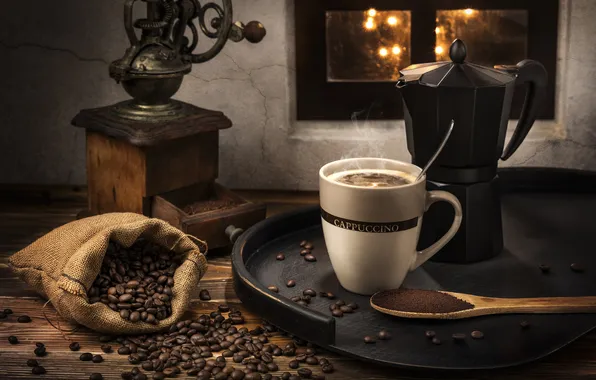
(434, 157)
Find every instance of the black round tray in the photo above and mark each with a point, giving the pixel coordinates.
(547, 218)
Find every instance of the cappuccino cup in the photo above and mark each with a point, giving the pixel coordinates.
(372, 211)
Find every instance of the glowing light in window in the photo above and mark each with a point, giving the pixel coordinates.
(383, 52)
(369, 24)
(372, 12)
(392, 21)
(439, 50)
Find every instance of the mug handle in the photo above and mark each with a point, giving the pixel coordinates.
(436, 196)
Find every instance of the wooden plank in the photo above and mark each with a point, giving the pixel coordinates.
(61, 363)
(115, 175)
(33, 215)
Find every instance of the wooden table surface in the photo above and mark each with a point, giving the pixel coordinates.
(28, 213)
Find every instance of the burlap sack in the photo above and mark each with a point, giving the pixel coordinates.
(63, 264)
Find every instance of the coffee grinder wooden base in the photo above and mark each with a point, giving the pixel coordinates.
(165, 170)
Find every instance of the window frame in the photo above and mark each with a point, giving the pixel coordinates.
(319, 99)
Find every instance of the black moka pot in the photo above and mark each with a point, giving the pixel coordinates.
(478, 99)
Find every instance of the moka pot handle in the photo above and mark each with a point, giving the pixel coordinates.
(534, 76)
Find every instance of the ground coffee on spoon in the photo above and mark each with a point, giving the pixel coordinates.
(420, 301)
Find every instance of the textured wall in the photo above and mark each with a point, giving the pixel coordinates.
(54, 60)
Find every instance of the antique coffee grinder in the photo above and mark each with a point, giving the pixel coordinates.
(479, 100)
(158, 156)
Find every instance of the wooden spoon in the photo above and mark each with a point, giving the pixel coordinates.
(490, 305)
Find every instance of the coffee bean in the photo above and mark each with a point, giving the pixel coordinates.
(280, 257)
(7, 311)
(330, 295)
(74, 346)
(304, 373)
(318, 377)
(105, 338)
(140, 376)
(124, 351)
(293, 364)
(125, 298)
(310, 258)
(477, 334)
(524, 324)
(544, 268)
(302, 244)
(23, 319)
(312, 360)
(302, 303)
(436, 341)
(39, 344)
(430, 334)
(369, 339)
(384, 335)
(124, 314)
(158, 376)
(97, 359)
(291, 283)
(3, 315)
(127, 376)
(304, 252)
(13, 339)
(39, 370)
(337, 313)
(273, 288)
(223, 308)
(272, 367)
(340, 303)
(86, 357)
(352, 305)
(458, 337)
(96, 376)
(346, 309)
(237, 375)
(135, 316)
(309, 292)
(204, 295)
(253, 376)
(106, 348)
(32, 363)
(309, 246)
(577, 268)
(40, 351)
(327, 368)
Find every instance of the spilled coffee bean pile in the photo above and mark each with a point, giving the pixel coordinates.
(213, 346)
(461, 337)
(337, 309)
(306, 251)
(190, 346)
(137, 281)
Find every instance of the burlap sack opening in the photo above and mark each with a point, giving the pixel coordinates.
(63, 264)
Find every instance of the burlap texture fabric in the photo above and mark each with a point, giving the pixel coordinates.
(63, 264)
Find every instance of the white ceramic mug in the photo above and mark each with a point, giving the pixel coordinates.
(371, 233)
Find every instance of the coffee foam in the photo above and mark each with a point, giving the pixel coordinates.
(411, 178)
